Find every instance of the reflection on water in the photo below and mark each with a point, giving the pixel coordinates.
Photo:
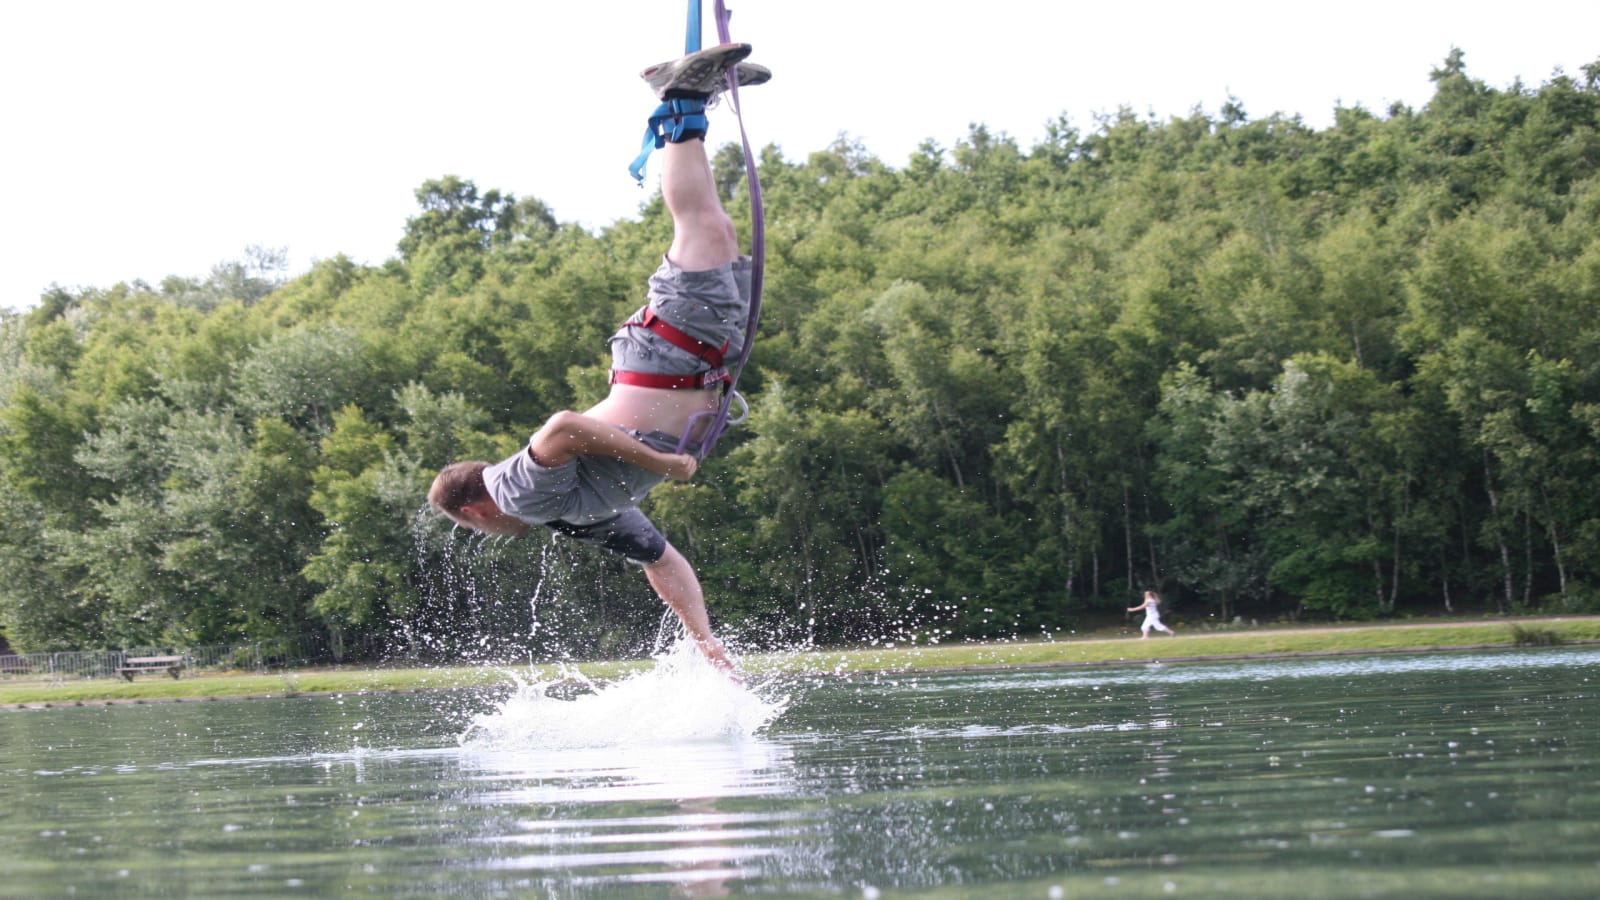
(1442, 775)
(638, 814)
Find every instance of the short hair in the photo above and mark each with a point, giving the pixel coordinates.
(456, 485)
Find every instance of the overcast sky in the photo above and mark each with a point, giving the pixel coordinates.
(147, 138)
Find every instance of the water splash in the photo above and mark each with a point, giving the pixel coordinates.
(680, 698)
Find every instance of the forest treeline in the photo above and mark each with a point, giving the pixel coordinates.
(1268, 370)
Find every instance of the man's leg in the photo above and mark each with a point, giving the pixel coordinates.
(703, 236)
(675, 583)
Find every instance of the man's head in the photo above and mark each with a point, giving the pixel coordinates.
(459, 492)
(457, 485)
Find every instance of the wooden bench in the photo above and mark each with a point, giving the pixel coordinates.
(133, 665)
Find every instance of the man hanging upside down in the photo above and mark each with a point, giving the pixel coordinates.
(584, 474)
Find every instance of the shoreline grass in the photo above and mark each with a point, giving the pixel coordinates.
(1188, 646)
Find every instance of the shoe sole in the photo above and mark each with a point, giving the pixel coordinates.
(699, 72)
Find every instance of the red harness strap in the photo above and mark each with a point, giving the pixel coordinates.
(674, 382)
(683, 341)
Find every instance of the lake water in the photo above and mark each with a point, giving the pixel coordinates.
(1459, 775)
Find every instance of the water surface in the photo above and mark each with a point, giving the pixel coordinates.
(1457, 775)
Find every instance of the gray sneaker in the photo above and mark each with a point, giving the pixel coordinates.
(701, 73)
(748, 73)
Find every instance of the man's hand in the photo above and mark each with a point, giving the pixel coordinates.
(681, 466)
(714, 653)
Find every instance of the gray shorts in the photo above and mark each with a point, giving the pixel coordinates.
(712, 306)
(631, 534)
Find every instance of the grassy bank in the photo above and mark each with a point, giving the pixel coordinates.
(1087, 651)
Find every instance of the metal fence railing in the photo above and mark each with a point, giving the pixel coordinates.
(60, 666)
(67, 665)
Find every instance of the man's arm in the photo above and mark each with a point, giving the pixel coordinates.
(568, 434)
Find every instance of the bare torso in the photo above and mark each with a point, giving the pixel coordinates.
(652, 409)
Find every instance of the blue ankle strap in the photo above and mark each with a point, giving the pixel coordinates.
(674, 120)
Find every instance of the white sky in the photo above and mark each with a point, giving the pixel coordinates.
(147, 138)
